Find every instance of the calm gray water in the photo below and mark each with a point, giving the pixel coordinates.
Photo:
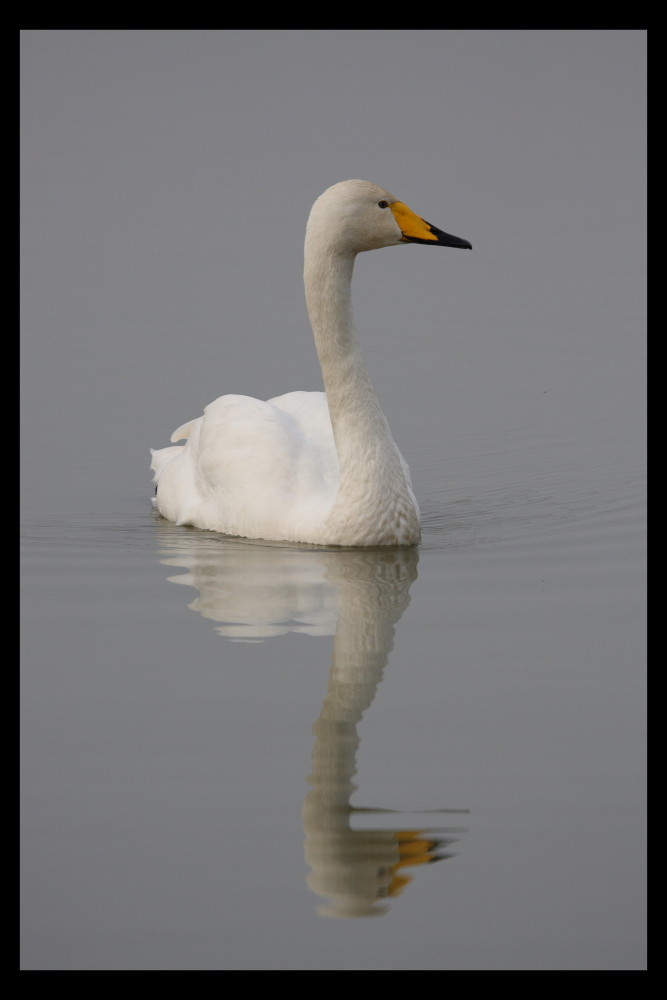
(239, 755)
(200, 759)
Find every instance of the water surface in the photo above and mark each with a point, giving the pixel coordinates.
(227, 743)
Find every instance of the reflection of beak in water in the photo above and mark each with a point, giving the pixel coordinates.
(357, 869)
(255, 591)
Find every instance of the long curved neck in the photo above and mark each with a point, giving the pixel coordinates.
(360, 428)
(375, 504)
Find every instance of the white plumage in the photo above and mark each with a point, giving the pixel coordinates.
(317, 467)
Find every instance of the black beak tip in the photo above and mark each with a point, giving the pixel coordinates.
(448, 240)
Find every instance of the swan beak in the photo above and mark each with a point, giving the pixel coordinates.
(416, 230)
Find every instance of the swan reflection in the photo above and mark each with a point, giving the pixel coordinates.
(254, 591)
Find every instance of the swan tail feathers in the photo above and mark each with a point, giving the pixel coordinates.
(183, 432)
(161, 458)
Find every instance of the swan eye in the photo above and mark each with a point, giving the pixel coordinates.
(383, 204)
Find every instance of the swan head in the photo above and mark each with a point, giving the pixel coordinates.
(355, 215)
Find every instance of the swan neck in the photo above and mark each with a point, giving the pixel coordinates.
(328, 281)
(372, 473)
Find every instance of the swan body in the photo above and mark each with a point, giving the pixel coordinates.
(316, 467)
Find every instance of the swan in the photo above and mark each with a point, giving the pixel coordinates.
(314, 467)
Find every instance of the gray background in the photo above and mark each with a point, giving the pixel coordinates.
(167, 177)
(166, 181)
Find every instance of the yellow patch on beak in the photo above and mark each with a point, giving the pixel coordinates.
(411, 225)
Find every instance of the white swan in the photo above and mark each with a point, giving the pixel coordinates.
(309, 467)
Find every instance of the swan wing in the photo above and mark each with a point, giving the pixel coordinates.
(251, 468)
